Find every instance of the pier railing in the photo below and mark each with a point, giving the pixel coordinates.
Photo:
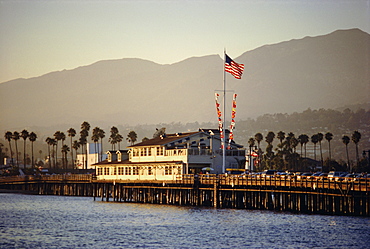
(47, 178)
(343, 184)
(339, 183)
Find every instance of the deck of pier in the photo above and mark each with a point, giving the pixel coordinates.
(340, 196)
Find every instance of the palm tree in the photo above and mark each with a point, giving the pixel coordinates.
(314, 140)
(303, 140)
(289, 141)
(329, 137)
(131, 137)
(32, 137)
(54, 144)
(8, 136)
(320, 137)
(113, 137)
(75, 146)
(71, 134)
(65, 150)
(58, 135)
(62, 137)
(101, 136)
(345, 140)
(95, 137)
(270, 137)
(24, 135)
(85, 127)
(49, 142)
(16, 138)
(293, 142)
(259, 138)
(83, 143)
(119, 139)
(269, 153)
(356, 137)
(281, 137)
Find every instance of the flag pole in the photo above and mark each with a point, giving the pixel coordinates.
(223, 126)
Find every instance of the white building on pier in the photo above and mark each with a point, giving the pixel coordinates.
(170, 155)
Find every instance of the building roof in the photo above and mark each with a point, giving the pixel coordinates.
(181, 138)
(164, 139)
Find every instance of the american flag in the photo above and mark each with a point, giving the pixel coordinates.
(234, 68)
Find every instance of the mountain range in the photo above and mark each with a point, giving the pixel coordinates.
(328, 71)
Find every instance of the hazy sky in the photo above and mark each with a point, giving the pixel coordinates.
(37, 37)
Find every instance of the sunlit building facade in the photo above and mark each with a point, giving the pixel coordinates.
(171, 155)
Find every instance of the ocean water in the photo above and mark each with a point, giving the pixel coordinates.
(32, 221)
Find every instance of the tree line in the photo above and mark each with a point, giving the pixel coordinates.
(285, 156)
(59, 137)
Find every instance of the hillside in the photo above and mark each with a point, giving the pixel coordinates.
(328, 71)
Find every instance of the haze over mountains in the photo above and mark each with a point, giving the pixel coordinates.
(329, 71)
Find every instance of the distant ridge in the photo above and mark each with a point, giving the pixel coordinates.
(328, 71)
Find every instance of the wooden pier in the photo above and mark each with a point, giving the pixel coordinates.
(300, 195)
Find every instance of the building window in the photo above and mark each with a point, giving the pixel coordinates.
(114, 171)
(100, 171)
(149, 151)
(168, 170)
(135, 170)
(150, 171)
(120, 171)
(128, 171)
(106, 171)
(160, 151)
(142, 152)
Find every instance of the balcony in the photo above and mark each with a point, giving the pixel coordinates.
(185, 155)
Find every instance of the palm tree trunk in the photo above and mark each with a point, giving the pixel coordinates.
(71, 153)
(56, 155)
(55, 163)
(97, 156)
(11, 153)
(101, 149)
(33, 162)
(16, 151)
(65, 160)
(322, 160)
(329, 166)
(75, 159)
(24, 153)
(86, 155)
(349, 165)
(49, 155)
(357, 157)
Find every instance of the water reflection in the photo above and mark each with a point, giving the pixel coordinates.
(79, 222)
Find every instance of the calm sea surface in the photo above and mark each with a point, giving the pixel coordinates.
(31, 221)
